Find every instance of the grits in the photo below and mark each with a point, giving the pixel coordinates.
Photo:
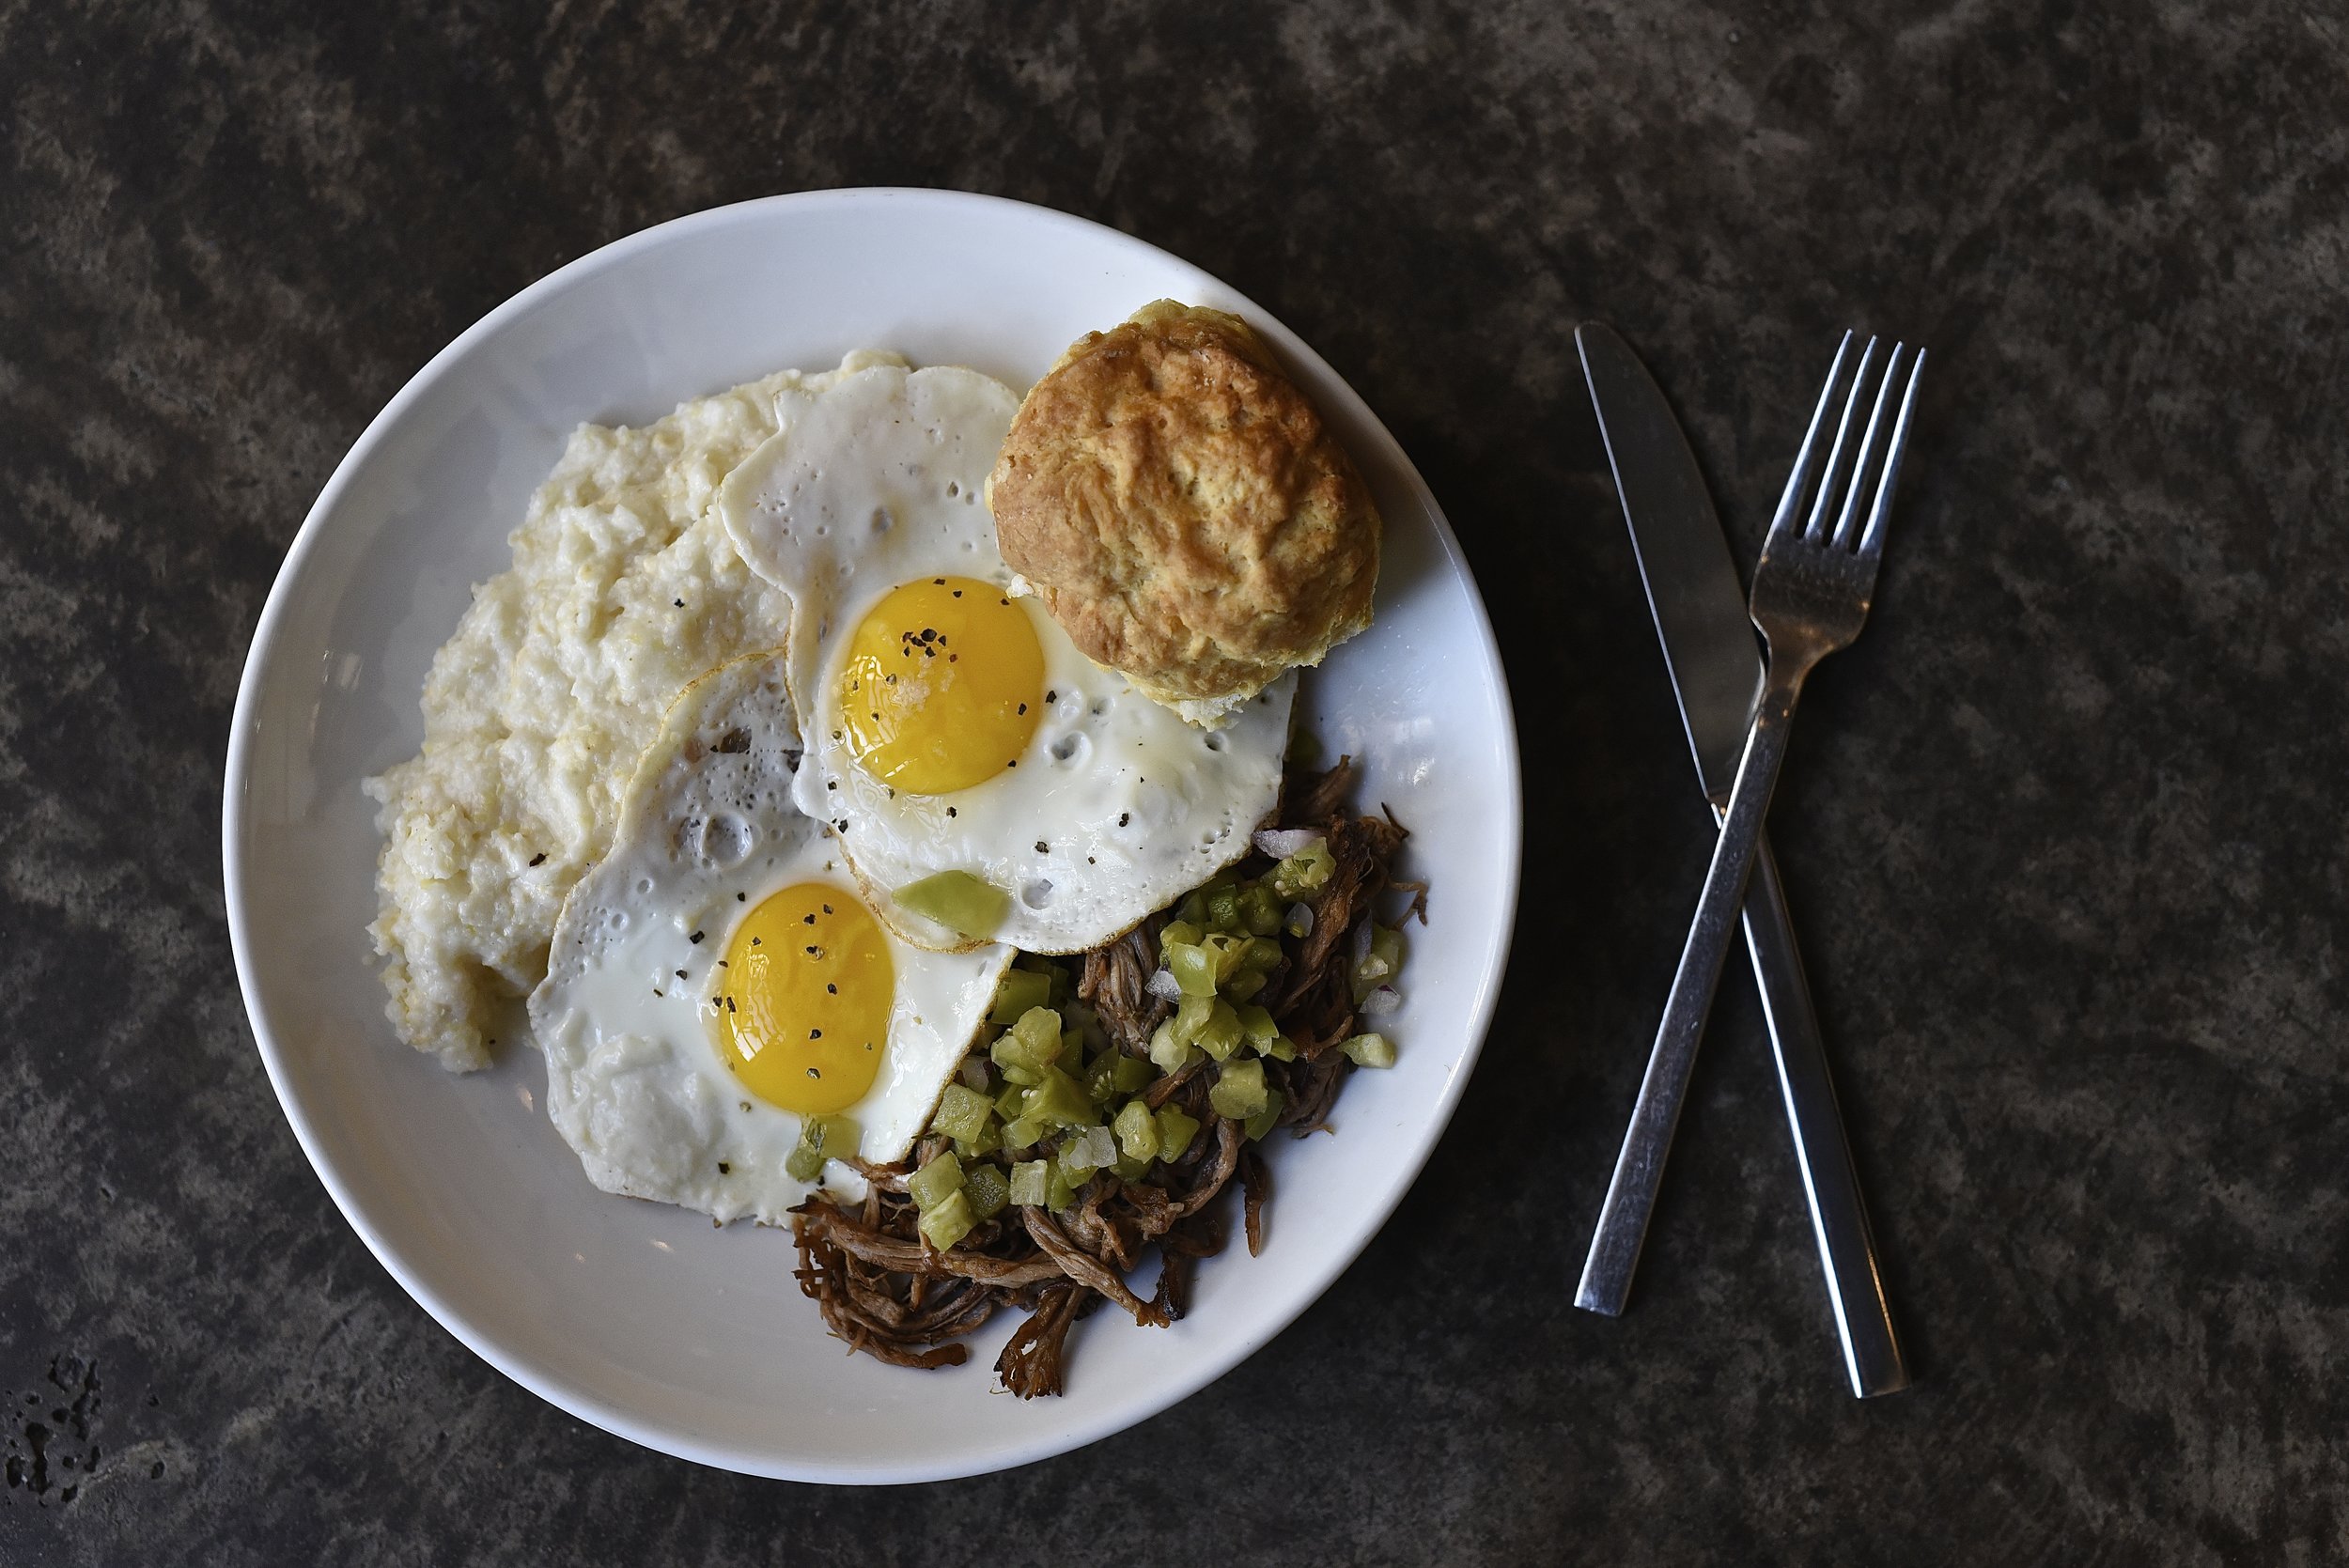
(623, 591)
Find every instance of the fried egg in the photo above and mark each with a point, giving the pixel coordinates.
(957, 737)
(718, 978)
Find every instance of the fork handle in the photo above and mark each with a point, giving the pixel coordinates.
(1640, 1167)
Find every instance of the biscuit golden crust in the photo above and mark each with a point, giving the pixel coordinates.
(1183, 512)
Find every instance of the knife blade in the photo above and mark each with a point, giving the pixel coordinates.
(1712, 656)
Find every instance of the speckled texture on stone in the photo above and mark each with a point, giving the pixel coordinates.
(2059, 829)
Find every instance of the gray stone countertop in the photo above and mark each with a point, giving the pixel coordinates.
(2062, 829)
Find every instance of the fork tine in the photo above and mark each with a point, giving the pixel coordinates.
(1791, 501)
(1872, 538)
(1816, 529)
(1867, 452)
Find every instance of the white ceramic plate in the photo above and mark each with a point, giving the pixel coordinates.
(648, 1321)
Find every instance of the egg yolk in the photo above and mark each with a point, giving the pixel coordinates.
(801, 1004)
(943, 686)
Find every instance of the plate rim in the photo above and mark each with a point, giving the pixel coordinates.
(517, 1365)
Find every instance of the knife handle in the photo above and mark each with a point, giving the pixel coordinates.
(1847, 1250)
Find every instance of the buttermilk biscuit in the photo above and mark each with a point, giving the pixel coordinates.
(1183, 512)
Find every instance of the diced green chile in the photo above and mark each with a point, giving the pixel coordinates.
(936, 1182)
(1261, 1123)
(987, 1190)
(949, 1221)
(1021, 989)
(1239, 1089)
(1060, 1101)
(1230, 952)
(1220, 1035)
(1195, 969)
(837, 1135)
(1136, 1131)
(1304, 872)
(957, 900)
(962, 1113)
(821, 1138)
(1084, 1153)
(1381, 964)
(1038, 1032)
(1176, 1128)
(1192, 1017)
(1168, 1053)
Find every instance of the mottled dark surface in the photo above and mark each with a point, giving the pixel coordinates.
(2060, 829)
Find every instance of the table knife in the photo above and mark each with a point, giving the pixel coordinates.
(1716, 667)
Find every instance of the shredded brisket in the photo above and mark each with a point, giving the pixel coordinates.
(885, 1291)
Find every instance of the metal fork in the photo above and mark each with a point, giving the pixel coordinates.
(1811, 596)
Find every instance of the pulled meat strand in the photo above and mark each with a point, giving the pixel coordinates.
(880, 1249)
(1031, 1363)
(1317, 992)
(1230, 1138)
(1173, 1083)
(879, 1178)
(1114, 983)
(1324, 796)
(1311, 1084)
(884, 1291)
(1179, 1251)
(1087, 1269)
(859, 1307)
(1255, 1187)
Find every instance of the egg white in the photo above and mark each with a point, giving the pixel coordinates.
(1116, 808)
(636, 1082)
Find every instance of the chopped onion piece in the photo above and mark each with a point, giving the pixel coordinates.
(1362, 941)
(1280, 842)
(1100, 1146)
(974, 1074)
(1300, 920)
(1164, 986)
(1383, 1000)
